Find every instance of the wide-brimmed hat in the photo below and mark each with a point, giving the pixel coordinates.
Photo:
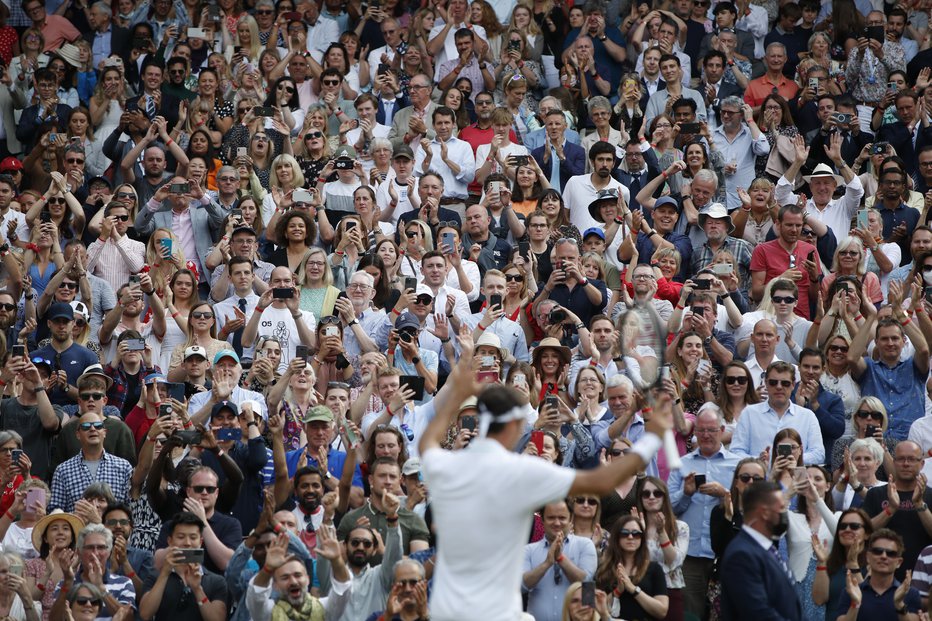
(95, 370)
(716, 211)
(606, 195)
(70, 53)
(823, 170)
(38, 531)
(488, 339)
(554, 344)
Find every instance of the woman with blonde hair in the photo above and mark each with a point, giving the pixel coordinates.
(836, 378)
(23, 67)
(849, 261)
(164, 256)
(421, 25)
(315, 283)
(522, 21)
(292, 396)
(124, 194)
(868, 413)
(575, 610)
(247, 36)
(284, 179)
(108, 102)
(191, 117)
(312, 149)
(754, 225)
(200, 329)
(416, 241)
(515, 60)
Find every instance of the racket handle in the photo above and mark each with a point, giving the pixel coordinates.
(671, 451)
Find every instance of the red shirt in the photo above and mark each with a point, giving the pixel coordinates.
(139, 424)
(475, 137)
(772, 259)
(759, 88)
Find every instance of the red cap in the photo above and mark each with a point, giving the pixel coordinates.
(10, 164)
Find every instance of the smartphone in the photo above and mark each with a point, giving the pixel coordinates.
(521, 160)
(331, 331)
(342, 361)
(410, 283)
(349, 226)
(519, 379)
(189, 436)
(928, 292)
(197, 33)
(702, 285)
(524, 249)
(495, 187)
(814, 85)
(870, 430)
(192, 555)
(34, 497)
(263, 111)
(238, 51)
(874, 32)
(722, 269)
(282, 293)
(665, 372)
(537, 438)
(383, 69)
(140, 43)
(800, 474)
(488, 361)
(302, 196)
(700, 480)
(302, 352)
(862, 218)
(447, 239)
(45, 216)
(879, 147)
(179, 188)
(704, 365)
(134, 280)
(468, 422)
(588, 594)
(166, 243)
(552, 401)
(495, 300)
(811, 256)
(176, 391)
(17, 570)
(242, 152)
(784, 450)
(232, 434)
(690, 128)
(135, 344)
(19, 351)
(16, 454)
(165, 409)
(415, 383)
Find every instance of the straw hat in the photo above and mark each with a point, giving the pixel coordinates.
(554, 344)
(70, 54)
(38, 531)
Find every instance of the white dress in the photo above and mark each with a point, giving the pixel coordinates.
(173, 337)
(110, 121)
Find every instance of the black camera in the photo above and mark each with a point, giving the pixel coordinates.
(557, 315)
(343, 163)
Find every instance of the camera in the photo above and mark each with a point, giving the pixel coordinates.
(343, 163)
(557, 315)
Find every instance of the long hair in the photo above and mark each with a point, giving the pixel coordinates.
(669, 518)
(694, 389)
(783, 434)
(402, 444)
(563, 217)
(750, 395)
(382, 288)
(189, 274)
(517, 194)
(154, 256)
(838, 555)
(189, 341)
(310, 227)
(605, 574)
(735, 495)
(802, 504)
(98, 95)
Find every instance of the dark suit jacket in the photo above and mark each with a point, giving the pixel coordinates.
(661, 84)
(400, 102)
(754, 584)
(27, 130)
(899, 138)
(573, 164)
(850, 149)
(653, 170)
(120, 41)
(168, 108)
(745, 45)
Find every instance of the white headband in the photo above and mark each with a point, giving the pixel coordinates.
(486, 417)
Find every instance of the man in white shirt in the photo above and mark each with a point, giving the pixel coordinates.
(321, 33)
(396, 195)
(764, 340)
(361, 137)
(451, 157)
(230, 314)
(442, 44)
(7, 192)
(434, 273)
(282, 318)
(391, 32)
(582, 190)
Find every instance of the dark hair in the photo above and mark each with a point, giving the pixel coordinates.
(309, 225)
(443, 111)
(497, 399)
(431, 254)
(382, 290)
(331, 71)
(810, 351)
(838, 555)
(292, 103)
(793, 209)
(685, 102)
(118, 506)
(886, 533)
(757, 494)
(306, 471)
(665, 57)
(462, 33)
(600, 148)
(237, 261)
(185, 518)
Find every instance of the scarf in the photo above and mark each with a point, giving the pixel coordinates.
(310, 610)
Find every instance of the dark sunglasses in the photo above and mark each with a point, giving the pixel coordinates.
(88, 426)
(783, 299)
(329, 319)
(287, 89)
(863, 414)
(514, 278)
(624, 533)
(927, 268)
(121, 218)
(202, 489)
(412, 233)
(176, 72)
(808, 232)
(7, 307)
(55, 201)
(126, 195)
(774, 383)
(74, 160)
(747, 478)
(618, 452)
(84, 601)
(736, 379)
(202, 315)
(423, 299)
(331, 82)
(884, 552)
(355, 543)
(91, 396)
(652, 493)
(850, 526)
(69, 285)
(588, 501)
(312, 135)
(840, 348)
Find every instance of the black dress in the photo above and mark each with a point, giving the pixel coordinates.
(653, 583)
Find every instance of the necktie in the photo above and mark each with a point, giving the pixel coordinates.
(150, 107)
(238, 335)
(775, 553)
(554, 169)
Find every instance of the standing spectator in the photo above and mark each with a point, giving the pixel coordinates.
(557, 157)
(773, 81)
(869, 65)
(887, 594)
(740, 140)
(56, 30)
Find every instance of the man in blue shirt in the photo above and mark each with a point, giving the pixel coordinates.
(608, 43)
(69, 360)
(885, 600)
(828, 407)
(899, 384)
(319, 428)
(693, 503)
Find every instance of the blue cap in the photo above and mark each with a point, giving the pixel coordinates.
(594, 231)
(666, 200)
(224, 405)
(60, 310)
(226, 353)
(154, 377)
(407, 319)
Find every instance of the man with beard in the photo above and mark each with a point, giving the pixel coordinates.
(125, 559)
(604, 340)
(127, 315)
(288, 576)
(372, 582)
(756, 582)
(408, 598)
(103, 296)
(69, 360)
(583, 190)
(716, 223)
(154, 165)
(31, 413)
(8, 318)
(308, 485)
(899, 220)
(114, 256)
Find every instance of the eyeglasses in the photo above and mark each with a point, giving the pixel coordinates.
(331, 82)
(906, 460)
(412, 233)
(85, 601)
(287, 89)
(863, 414)
(893, 182)
(849, 253)
(747, 478)
(728, 112)
(736, 379)
(118, 522)
(357, 286)
(539, 225)
(783, 299)
(838, 348)
(80, 323)
(69, 285)
(417, 87)
(594, 502)
(514, 278)
(55, 201)
(260, 138)
(652, 493)
(312, 135)
(644, 276)
(6, 306)
(926, 164)
(98, 425)
(355, 543)
(884, 552)
(624, 533)
(204, 489)
(850, 526)
(176, 72)
(202, 315)
(91, 396)
(774, 383)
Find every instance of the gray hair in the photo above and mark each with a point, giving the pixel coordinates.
(96, 593)
(563, 241)
(8, 434)
(712, 409)
(380, 143)
(265, 3)
(550, 99)
(599, 103)
(99, 490)
(95, 529)
(707, 176)
(102, 7)
(619, 380)
(868, 444)
(369, 278)
(775, 44)
(413, 563)
(733, 101)
(224, 170)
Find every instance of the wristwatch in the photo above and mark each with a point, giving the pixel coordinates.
(603, 37)
(708, 340)
(637, 591)
(415, 361)
(352, 323)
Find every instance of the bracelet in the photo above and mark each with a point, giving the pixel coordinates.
(887, 511)
(169, 143)
(906, 323)
(10, 515)
(321, 180)
(339, 253)
(206, 600)
(859, 317)
(395, 312)
(559, 559)
(816, 322)
(680, 307)
(665, 175)
(131, 575)
(666, 545)
(176, 313)
(2, 383)
(40, 586)
(481, 329)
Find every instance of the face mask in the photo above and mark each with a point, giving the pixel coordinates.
(780, 528)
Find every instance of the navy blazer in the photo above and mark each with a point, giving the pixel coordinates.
(400, 102)
(754, 585)
(900, 139)
(574, 162)
(653, 171)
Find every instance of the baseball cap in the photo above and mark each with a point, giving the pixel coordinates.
(666, 200)
(224, 405)
(319, 413)
(11, 164)
(345, 151)
(407, 320)
(594, 231)
(226, 353)
(403, 150)
(195, 350)
(60, 310)
(412, 466)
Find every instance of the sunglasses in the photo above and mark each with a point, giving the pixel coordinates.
(85, 601)
(884, 552)
(618, 452)
(204, 489)
(118, 522)
(331, 82)
(287, 89)
(594, 502)
(423, 299)
(736, 379)
(202, 315)
(91, 396)
(624, 533)
(69, 285)
(125, 195)
(355, 543)
(312, 135)
(838, 348)
(514, 278)
(808, 232)
(410, 234)
(80, 323)
(863, 414)
(88, 426)
(774, 383)
(927, 268)
(783, 299)
(850, 526)
(7, 307)
(747, 478)
(651, 493)
(121, 218)
(176, 72)
(55, 201)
